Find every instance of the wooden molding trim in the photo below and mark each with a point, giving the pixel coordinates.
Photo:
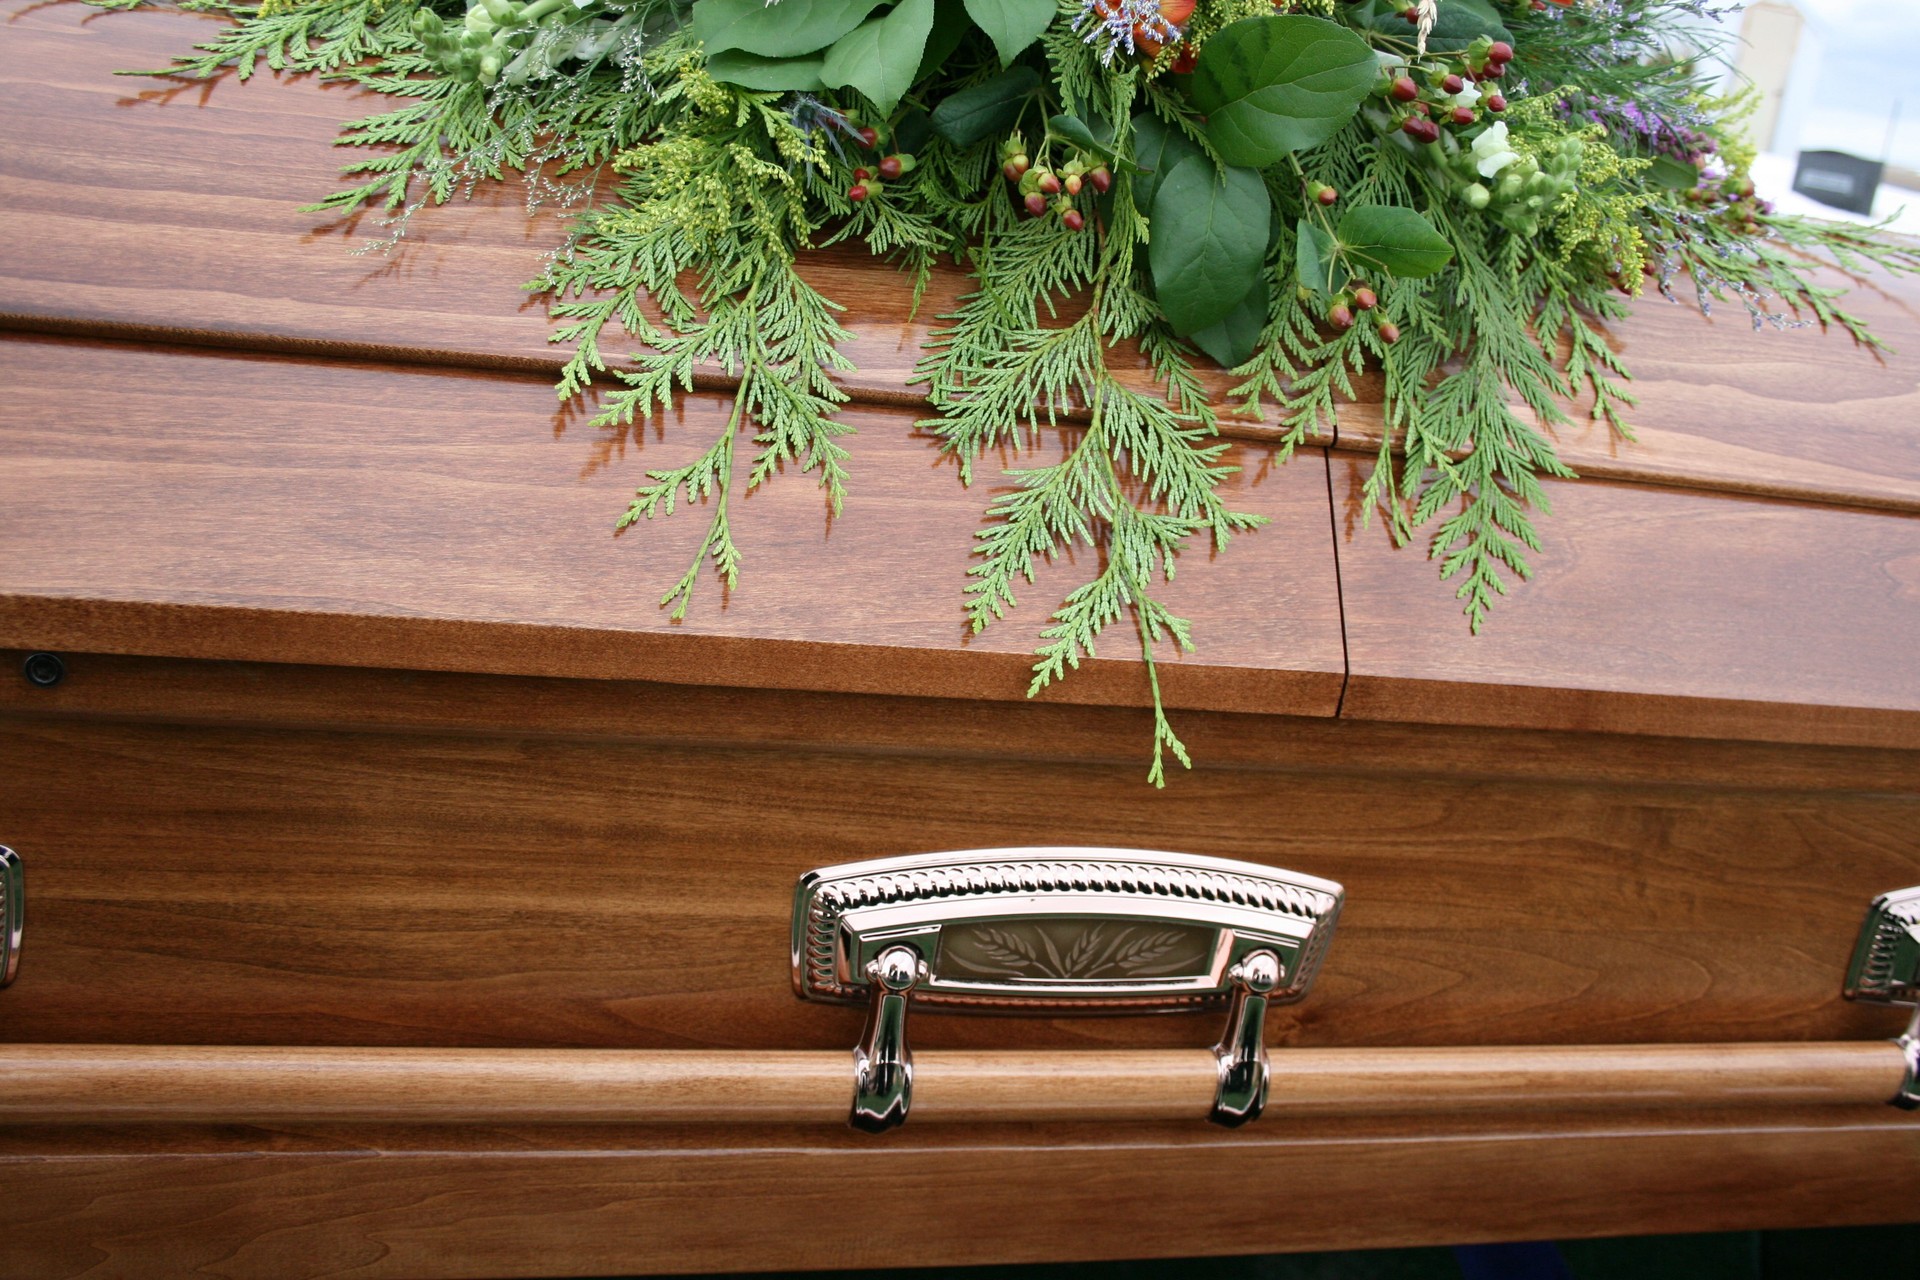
(120, 1084)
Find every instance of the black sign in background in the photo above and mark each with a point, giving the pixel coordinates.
(1838, 179)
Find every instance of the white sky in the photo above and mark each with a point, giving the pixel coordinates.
(1861, 62)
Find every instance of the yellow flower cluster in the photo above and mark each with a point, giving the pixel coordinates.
(1596, 214)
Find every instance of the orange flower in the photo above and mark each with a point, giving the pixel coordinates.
(1176, 13)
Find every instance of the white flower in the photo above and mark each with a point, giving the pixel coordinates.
(1491, 153)
(1469, 95)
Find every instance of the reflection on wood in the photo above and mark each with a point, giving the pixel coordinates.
(1652, 611)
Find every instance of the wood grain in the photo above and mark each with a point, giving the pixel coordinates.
(217, 252)
(324, 512)
(270, 528)
(1651, 611)
(283, 695)
(288, 1203)
(233, 1085)
(223, 885)
(246, 268)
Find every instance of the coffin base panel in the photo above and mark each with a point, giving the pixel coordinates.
(221, 884)
(287, 1203)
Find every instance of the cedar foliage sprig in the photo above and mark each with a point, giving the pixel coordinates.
(1143, 476)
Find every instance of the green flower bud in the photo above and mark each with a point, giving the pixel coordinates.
(1476, 196)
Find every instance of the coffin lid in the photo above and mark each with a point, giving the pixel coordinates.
(228, 437)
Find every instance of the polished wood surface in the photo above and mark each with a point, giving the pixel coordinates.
(1651, 611)
(284, 1203)
(458, 539)
(217, 251)
(229, 884)
(325, 512)
(278, 695)
(225, 1084)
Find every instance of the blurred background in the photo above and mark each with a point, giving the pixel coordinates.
(1838, 124)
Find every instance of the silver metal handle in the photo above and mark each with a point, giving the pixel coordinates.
(1058, 930)
(13, 912)
(1886, 970)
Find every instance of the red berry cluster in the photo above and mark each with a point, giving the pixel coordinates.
(868, 183)
(1041, 189)
(1421, 109)
(1340, 314)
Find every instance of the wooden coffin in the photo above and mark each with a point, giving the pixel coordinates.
(375, 791)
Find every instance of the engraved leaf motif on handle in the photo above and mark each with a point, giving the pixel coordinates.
(1102, 950)
(1004, 948)
(1142, 951)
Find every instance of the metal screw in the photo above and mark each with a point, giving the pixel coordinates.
(44, 669)
(1260, 971)
(896, 968)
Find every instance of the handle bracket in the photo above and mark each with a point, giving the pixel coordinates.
(882, 1062)
(1885, 969)
(1242, 1051)
(13, 912)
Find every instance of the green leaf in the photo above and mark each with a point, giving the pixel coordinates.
(881, 56)
(783, 30)
(1012, 25)
(1232, 341)
(1459, 24)
(1316, 258)
(915, 127)
(1156, 149)
(1674, 175)
(1273, 86)
(950, 27)
(1075, 130)
(1397, 241)
(972, 114)
(1209, 237)
(751, 71)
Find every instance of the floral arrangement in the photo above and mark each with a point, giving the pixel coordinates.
(1459, 193)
